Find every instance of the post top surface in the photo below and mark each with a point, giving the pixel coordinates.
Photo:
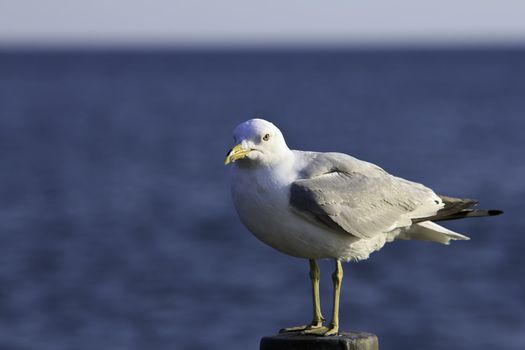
(353, 340)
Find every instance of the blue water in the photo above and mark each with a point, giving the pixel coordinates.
(117, 229)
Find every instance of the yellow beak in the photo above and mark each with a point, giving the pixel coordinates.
(235, 153)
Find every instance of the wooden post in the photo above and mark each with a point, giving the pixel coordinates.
(352, 340)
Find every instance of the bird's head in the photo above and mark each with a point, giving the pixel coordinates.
(258, 142)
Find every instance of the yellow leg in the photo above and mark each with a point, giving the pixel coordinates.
(337, 278)
(318, 319)
(333, 328)
(315, 275)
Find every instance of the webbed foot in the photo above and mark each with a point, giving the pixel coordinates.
(303, 328)
(323, 331)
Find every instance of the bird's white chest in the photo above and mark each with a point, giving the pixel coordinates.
(261, 198)
(260, 195)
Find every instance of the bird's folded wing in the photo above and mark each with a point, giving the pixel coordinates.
(362, 204)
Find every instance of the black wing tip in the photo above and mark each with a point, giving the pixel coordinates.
(494, 212)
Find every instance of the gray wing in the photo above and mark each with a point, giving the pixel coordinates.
(359, 198)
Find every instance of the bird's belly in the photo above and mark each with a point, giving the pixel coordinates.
(269, 217)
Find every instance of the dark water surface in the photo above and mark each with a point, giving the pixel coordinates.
(117, 229)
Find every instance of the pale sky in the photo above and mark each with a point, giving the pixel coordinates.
(263, 22)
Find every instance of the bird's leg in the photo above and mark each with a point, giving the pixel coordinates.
(315, 275)
(337, 278)
(333, 328)
(318, 319)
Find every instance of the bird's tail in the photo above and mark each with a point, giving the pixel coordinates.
(430, 231)
(453, 209)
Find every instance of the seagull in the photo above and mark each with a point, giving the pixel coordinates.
(315, 205)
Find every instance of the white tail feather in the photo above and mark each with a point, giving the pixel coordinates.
(430, 231)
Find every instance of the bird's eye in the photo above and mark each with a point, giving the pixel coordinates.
(266, 137)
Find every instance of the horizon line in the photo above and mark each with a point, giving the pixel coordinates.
(160, 45)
